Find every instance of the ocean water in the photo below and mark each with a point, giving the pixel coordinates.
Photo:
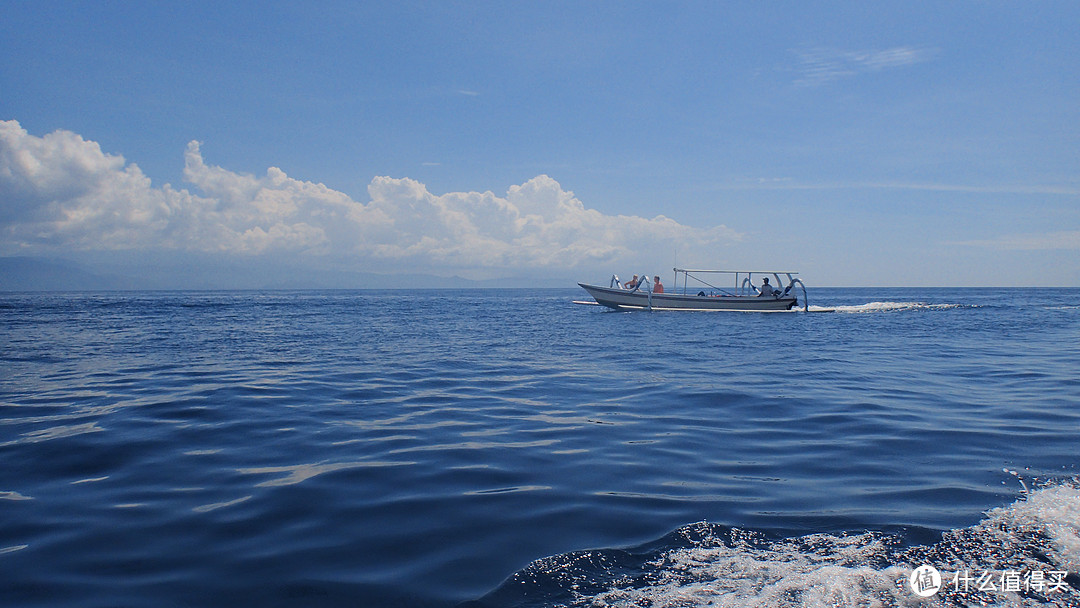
(499, 448)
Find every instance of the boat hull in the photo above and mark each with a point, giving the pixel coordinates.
(639, 300)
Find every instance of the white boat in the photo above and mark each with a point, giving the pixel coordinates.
(702, 294)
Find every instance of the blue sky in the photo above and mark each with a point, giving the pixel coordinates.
(861, 143)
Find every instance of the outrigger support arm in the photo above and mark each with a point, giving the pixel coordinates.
(746, 282)
(805, 303)
(644, 279)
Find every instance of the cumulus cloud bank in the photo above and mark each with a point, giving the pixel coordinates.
(61, 192)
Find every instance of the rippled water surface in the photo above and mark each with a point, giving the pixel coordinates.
(511, 448)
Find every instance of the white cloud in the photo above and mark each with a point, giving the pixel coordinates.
(821, 66)
(787, 183)
(62, 192)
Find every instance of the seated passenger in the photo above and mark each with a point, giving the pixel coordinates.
(658, 287)
(632, 283)
(766, 289)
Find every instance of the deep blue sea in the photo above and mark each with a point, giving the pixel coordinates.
(509, 448)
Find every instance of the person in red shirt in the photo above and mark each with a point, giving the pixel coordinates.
(658, 287)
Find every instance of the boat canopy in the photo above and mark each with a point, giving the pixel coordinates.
(742, 281)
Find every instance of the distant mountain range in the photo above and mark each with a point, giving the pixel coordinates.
(38, 274)
(58, 274)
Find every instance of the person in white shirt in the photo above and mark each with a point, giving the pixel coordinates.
(766, 289)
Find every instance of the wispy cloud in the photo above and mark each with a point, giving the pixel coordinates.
(1056, 240)
(60, 191)
(822, 66)
(787, 183)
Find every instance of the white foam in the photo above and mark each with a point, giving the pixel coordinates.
(1053, 513)
(867, 569)
(884, 307)
(813, 571)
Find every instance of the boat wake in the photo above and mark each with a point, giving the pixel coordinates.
(1023, 554)
(885, 307)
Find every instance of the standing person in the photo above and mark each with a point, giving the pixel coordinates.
(658, 287)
